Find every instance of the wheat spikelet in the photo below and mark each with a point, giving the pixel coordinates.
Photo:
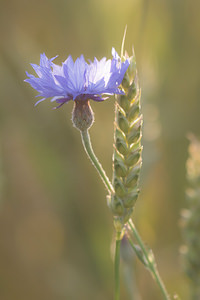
(127, 147)
(191, 218)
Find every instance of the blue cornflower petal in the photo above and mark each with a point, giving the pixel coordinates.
(117, 71)
(40, 101)
(77, 80)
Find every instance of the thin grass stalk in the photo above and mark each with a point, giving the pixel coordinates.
(148, 260)
(117, 266)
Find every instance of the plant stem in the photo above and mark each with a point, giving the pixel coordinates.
(149, 261)
(117, 266)
(88, 148)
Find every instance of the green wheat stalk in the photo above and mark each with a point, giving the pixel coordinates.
(127, 158)
(127, 163)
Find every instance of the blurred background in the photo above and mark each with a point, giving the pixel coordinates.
(55, 227)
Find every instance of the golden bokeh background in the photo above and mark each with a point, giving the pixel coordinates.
(55, 227)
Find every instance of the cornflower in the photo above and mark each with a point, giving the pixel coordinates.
(78, 81)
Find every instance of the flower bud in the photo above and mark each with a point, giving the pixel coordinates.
(82, 115)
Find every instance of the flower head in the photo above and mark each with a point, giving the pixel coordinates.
(78, 80)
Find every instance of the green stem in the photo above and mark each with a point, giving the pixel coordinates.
(150, 263)
(117, 266)
(88, 148)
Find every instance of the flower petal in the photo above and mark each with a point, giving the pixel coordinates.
(77, 80)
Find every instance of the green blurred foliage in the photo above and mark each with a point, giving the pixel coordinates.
(55, 227)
